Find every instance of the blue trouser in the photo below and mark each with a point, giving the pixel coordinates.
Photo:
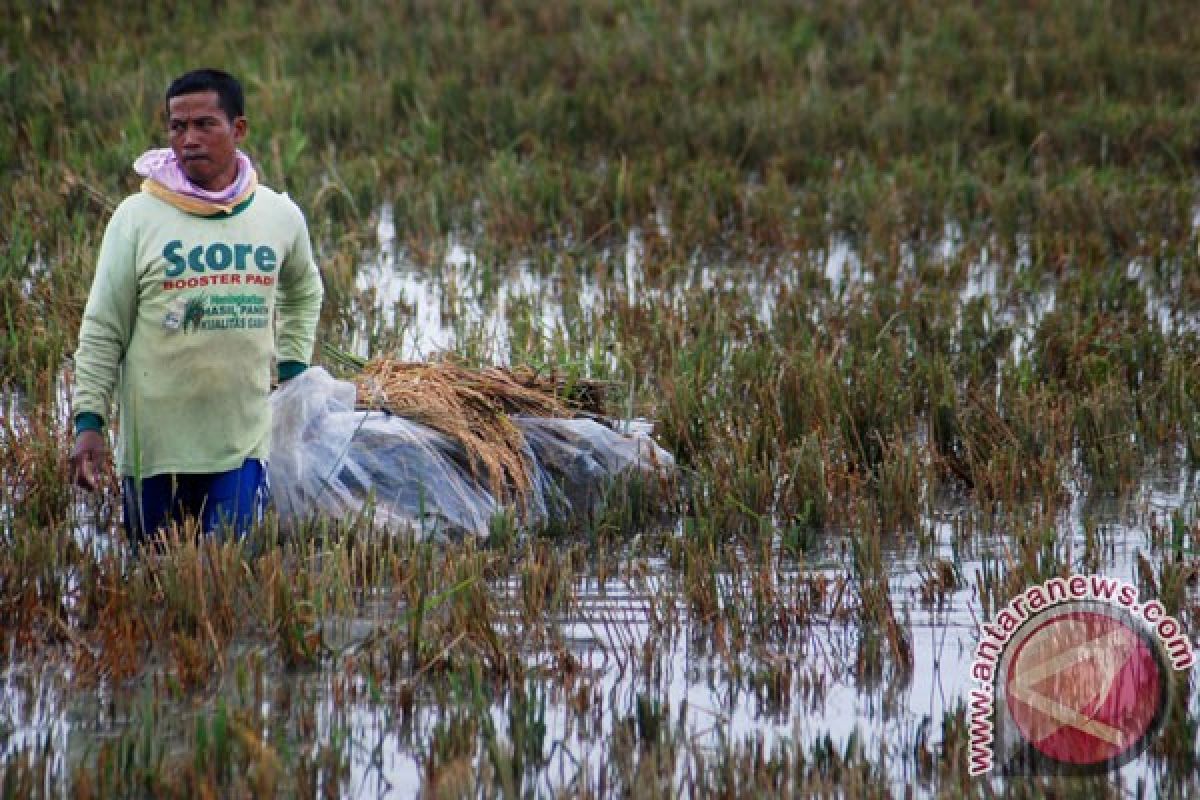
(232, 500)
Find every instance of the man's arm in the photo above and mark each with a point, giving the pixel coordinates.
(103, 337)
(298, 305)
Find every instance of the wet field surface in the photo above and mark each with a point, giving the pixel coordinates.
(627, 656)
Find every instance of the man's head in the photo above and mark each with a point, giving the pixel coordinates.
(205, 124)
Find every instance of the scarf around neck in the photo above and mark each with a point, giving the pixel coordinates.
(166, 180)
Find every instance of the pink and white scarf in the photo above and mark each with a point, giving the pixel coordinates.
(161, 167)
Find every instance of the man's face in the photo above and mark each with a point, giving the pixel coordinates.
(204, 139)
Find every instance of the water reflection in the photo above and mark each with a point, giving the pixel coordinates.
(633, 636)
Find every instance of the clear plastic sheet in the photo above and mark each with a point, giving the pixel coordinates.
(328, 458)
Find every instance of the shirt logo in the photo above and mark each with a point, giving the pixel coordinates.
(223, 262)
(217, 257)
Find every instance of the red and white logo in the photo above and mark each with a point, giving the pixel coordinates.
(1073, 676)
(1085, 687)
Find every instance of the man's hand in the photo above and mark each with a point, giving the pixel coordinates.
(87, 459)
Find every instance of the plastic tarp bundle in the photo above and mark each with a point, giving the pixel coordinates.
(329, 458)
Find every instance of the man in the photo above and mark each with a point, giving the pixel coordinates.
(192, 271)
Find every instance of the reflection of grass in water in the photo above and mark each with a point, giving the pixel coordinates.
(1056, 146)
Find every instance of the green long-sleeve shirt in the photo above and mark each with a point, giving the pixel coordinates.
(179, 323)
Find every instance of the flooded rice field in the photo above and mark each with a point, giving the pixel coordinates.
(910, 293)
(666, 660)
(616, 670)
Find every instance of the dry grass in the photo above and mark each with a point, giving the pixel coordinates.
(472, 407)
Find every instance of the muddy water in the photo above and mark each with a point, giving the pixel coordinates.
(609, 632)
(633, 639)
(613, 627)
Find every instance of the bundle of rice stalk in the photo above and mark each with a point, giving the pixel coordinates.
(520, 390)
(472, 406)
(456, 401)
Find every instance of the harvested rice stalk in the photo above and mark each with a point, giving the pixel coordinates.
(520, 390)
(456, 401)
(472, 406)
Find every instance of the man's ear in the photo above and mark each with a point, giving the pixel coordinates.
(239, 129)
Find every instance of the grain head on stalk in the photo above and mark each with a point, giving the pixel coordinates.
(472, 407)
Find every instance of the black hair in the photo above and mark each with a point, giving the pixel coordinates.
(229, 91)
